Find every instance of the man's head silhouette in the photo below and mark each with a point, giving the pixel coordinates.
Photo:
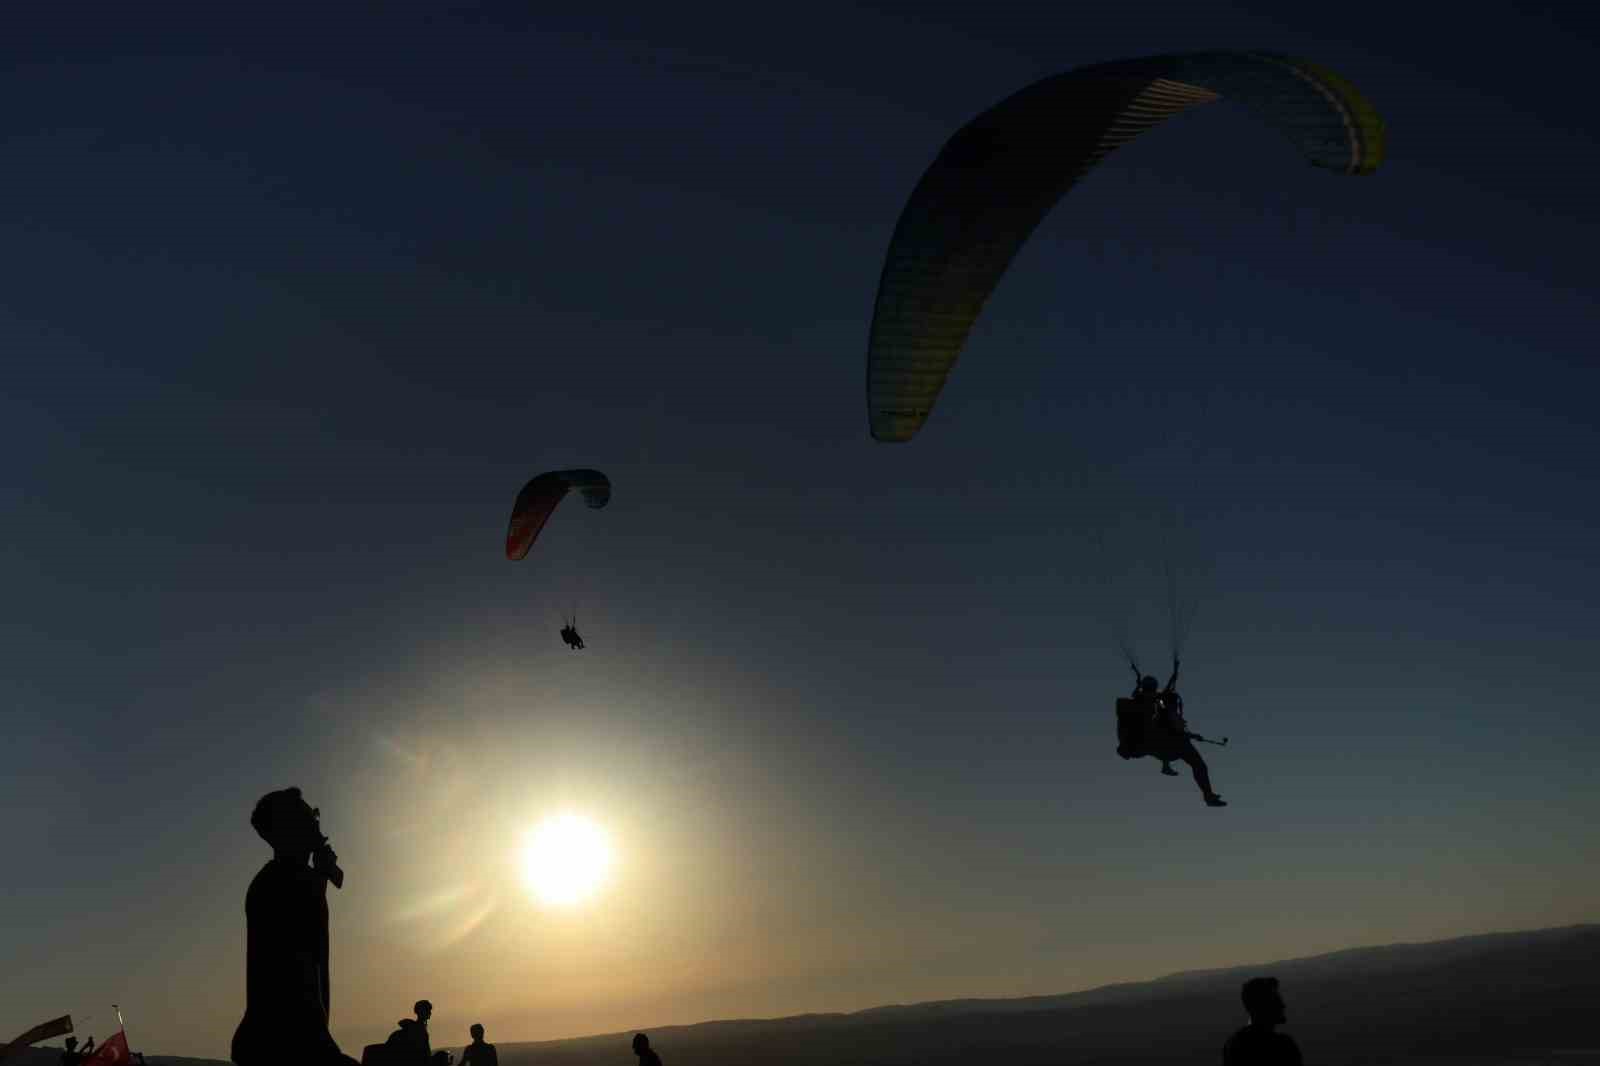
(287, 822)
(1263, 1001)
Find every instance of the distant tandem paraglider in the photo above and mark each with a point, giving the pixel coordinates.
(536, 503)
(999, 175)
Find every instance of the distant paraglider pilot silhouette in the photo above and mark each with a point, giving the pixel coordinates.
(286, 945)
(1259, 1044)
(569, 633)
(641, 1048)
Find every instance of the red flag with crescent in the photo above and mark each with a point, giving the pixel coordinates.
(114, 1052)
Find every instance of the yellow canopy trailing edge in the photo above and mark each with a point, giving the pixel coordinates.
(1000, 174)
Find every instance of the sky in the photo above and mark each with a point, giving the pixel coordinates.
(294, 302)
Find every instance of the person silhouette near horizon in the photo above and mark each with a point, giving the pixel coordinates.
(1259, 1043)
(71, 1056)
(642, 1048)
(479, 1053)
(408, 1045)
(286, 941)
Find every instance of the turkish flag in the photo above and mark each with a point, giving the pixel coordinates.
(114, 1052)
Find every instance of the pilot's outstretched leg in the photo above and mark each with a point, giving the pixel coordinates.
(1202, 775)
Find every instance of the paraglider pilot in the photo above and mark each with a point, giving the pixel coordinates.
(1170, 738)
(569, 633)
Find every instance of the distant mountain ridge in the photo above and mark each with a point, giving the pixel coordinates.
(1519, 997)
(1496, 997)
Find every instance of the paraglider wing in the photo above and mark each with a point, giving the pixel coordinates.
(996, 179)
(539, 498)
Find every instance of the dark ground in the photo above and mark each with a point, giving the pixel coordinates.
(1526, 998)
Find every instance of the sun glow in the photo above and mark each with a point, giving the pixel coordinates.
(565, 860)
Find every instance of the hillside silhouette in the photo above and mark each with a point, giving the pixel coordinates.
(1525, 997)
(1492, 998)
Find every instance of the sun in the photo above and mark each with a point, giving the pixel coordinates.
(565, 859)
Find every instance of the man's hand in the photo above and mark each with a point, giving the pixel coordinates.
(326, 862)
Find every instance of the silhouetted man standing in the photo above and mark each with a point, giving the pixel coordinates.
(641, 1048)
(286, 945)
(1259, 1044)
(478, 1053)
(408, 1044)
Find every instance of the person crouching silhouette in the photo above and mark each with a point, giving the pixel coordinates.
(641, 1048)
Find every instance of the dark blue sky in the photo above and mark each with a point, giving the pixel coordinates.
(293, 303)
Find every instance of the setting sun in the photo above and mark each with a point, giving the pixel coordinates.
(565, 859)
